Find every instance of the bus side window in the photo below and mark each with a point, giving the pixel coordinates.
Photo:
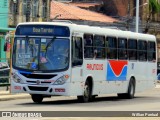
(88, 46)
(132, 49)
(151, 51)
(77, 54)
(111, 49)
(122, 48)
(99, 46)
(142, 50)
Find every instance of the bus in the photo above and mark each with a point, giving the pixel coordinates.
(66, 59)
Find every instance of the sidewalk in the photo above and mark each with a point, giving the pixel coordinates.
(6, 95)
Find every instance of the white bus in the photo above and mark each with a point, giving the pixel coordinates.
(56, 58)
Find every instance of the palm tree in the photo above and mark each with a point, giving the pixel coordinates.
(154, 8)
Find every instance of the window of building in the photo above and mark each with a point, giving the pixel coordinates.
(24, 4)
(35, 8)
(44, 9)
(132, 49)
(99, 46)
(11, 5)
(111, 50)
(142, 50)
(14, 7)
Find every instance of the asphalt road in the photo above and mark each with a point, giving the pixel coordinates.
(144, 101)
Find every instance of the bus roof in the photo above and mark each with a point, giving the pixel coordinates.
(97, 30)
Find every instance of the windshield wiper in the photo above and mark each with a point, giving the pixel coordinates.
(50, 42)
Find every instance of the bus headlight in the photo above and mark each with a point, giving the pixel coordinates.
(16, 78)
(61, 80)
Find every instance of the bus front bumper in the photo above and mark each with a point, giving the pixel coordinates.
(41, 89)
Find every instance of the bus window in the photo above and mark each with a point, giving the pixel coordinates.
(142, 50)
(132, 49)
(77, 54)
(88, 40)
(122, 48)
(111, 49)
(151, 51)
(99, 46)
(88, 46)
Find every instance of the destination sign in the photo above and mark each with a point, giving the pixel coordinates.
(43, 30)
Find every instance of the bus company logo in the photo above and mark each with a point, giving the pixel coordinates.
(38, 82)
(94, 66)
(116, 70)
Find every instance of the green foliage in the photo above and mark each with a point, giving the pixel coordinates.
(154, 6)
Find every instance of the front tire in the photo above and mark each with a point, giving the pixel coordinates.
(87, 95)
(37, 98)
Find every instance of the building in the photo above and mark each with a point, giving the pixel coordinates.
(68, 11)
(28, 10)
(3, 27)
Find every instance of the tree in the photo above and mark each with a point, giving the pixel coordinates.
(154, 8)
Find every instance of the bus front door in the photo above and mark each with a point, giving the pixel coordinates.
(77, 59)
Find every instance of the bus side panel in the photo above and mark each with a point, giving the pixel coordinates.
(96, 69)
(144, 77)
(152, 74)
(99, 74)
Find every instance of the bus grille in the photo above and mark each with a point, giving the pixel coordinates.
(33, 88)
(39, 76)
(35, 82)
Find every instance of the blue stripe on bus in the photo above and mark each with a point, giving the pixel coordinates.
(24, 72)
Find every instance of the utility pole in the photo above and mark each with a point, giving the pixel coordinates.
(137, 15)
(14, 12)
(128, 15)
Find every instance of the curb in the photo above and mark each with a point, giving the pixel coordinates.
(6, 97)
(157, 86)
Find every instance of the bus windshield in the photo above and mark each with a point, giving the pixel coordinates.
(41, 54)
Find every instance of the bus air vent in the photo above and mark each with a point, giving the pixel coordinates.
(38, 76)
(33, 88)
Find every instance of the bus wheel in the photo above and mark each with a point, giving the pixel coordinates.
(131, 89)
(37, 98)
(87, 93)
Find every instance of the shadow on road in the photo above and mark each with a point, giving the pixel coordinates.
(75, 101)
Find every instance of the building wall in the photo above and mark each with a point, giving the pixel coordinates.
(17, 12)
(4, 13)
(3, 26)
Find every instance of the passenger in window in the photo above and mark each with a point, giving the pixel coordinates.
(144, 45)
(88, 40)
(95, 53)
(125, 54)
